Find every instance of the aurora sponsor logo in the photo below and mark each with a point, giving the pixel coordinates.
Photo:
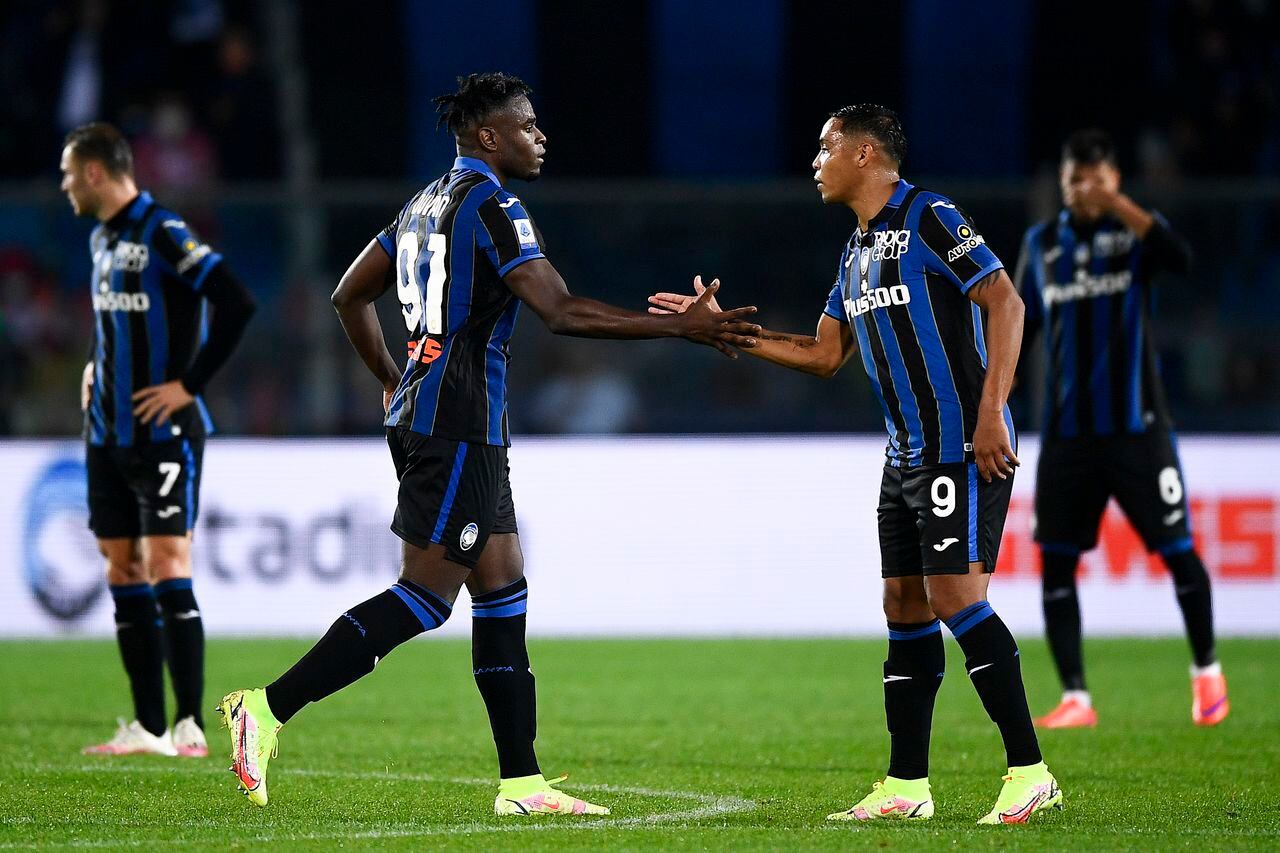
(969, 240)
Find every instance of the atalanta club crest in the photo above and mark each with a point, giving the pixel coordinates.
(468, 537)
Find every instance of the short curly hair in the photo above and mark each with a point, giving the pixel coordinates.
(880, 123)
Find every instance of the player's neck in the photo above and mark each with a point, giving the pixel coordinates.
(493, 167)
(115, 198)
(871, 198)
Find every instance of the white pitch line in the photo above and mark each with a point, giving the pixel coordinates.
(710, 805)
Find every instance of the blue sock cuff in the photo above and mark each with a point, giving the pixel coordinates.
(172, 584)
(933, 627)
(969, 617)
(432, 610)
(510, 600)
(1177, 547)
(131, 590)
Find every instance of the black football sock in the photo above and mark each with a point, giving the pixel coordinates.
(184, 645)
(355, 642)
(1062, 615)
(912, 676)
(500, 663)
(991, 658)
(1191, 584)
(141, 649)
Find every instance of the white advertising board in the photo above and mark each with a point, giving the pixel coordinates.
(622, 536)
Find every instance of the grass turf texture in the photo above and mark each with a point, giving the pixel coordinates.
(750, 743)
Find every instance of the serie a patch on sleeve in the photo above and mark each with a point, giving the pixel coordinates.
(525, 233)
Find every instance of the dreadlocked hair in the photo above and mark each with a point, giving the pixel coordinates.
(478, 97)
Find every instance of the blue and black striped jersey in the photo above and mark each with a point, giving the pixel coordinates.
(903, 287)
(451, 246)
(1090, 285)
(149, 320)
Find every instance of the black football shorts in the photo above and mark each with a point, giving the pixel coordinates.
(937, 519)
(145, 490)
(452, 493)
(1076, 476)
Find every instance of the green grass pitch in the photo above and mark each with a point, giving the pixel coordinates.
(724, 744)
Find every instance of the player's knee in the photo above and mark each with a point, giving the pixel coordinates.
(946, 601)
(904, 602)
(166, 560)
(125, 572)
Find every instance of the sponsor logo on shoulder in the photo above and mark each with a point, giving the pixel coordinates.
(524, 233)
(968, 242)
(505, 204)
(468, 537)
(196, 252)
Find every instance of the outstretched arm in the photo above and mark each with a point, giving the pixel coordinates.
(822, 353)
(992, 446)
(538, 285)
(368, 277)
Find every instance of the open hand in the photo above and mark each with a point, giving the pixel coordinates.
(158, 402)
(991, 447)
(702, 321)
(676, 303)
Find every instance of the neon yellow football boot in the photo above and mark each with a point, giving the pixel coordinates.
(526, 795)
(1026, 790)
(253, 739)
(892, 799)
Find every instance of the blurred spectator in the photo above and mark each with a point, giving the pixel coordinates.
(242, 111)
(173, 153)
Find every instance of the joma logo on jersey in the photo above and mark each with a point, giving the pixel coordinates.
(113, 301)
(890, 245)
(968, 242)
(880, 297)
(130, 257)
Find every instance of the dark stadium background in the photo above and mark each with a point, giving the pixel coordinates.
(680, 138)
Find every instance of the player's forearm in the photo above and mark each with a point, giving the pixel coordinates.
(1004, 342)
(360, 322)
(580, 317)
(798, 352)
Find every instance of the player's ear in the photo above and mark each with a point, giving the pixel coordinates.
(488, 138)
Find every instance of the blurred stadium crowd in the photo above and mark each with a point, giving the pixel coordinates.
(285, 132)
